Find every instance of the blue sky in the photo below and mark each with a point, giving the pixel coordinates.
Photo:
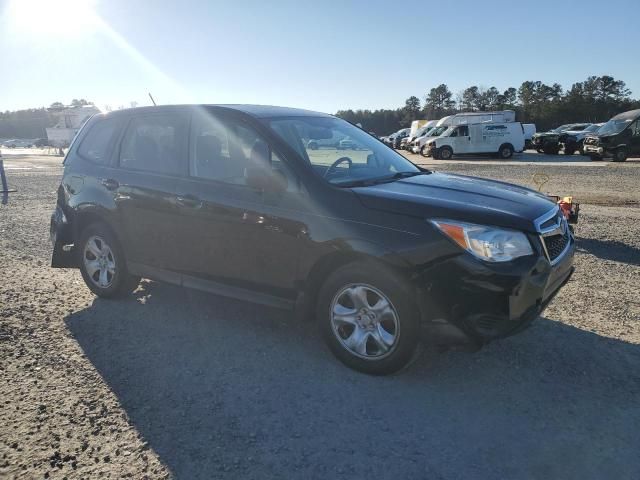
(323, 55)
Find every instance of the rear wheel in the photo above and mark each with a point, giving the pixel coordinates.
(368, 318)
(620, 155)
(102, 263)
(445, 153)
(505, 152)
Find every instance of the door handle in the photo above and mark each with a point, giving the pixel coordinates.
(188, 200)
(110, 183)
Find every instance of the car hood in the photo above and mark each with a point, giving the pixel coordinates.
(459, 197)
(548, 134)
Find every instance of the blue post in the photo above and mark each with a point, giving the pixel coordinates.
(5, 188)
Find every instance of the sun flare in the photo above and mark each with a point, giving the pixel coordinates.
(52, 17)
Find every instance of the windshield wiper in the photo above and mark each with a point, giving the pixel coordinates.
(365, 182)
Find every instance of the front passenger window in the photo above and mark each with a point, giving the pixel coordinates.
(226, 150)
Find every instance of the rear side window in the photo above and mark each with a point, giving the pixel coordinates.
(96, 145)
(155, 143)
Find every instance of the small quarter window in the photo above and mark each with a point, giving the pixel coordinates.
(96, 145)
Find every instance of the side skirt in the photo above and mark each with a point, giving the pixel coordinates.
(210, 286)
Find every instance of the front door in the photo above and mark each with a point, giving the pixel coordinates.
(231, 233)
(460, 139)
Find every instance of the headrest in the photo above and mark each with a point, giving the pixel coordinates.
(145, 148)
(260, 154)
(208, 147)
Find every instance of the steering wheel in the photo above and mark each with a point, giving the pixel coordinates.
(334, 165)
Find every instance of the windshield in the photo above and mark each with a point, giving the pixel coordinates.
(613, 127)
(437, 131)
(317, 140)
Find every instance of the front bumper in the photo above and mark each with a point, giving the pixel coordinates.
(478, 302)
(596, 150)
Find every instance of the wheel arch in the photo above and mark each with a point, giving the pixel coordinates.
(319, 271)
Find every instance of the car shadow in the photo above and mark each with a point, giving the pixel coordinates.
(609, 250)
(221, 388)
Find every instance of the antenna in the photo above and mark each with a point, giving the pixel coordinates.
(152, 100)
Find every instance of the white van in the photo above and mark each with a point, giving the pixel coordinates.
(500, 138)
(418, 145)
(416, 125)
(468, 118)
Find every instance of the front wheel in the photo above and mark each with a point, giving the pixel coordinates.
(368, 318)
(505, 152)
(620, 155)
(445, 153)
(102, 263)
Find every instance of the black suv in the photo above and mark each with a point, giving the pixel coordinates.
(550, 142)
(618, 139)
(231, 200)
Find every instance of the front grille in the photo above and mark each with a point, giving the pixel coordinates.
(553, 221)
(556, 244)
(591, 141)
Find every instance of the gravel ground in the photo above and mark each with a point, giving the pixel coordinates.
(176, 383)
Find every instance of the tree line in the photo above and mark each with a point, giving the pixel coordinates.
(31, 123)
(594, 100)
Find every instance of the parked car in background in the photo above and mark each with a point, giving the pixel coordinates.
(406, 143)
(573, 140)
(618, 139)
(397, 137)
(346, 144)
(529, 132)
(420, 142)
(17, 143)
(549, 142)
(502, 139)
(228, 200)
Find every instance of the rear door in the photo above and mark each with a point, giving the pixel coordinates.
(152, 156)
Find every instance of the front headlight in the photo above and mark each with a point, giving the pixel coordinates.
(486, 243)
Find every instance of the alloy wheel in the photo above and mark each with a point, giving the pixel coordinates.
(365, 321)
(99, 261)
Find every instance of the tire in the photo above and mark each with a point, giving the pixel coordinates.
(357, 336)
(445, 153)
(505, 152)
(99, 248)
(581, 148)
(620, 155)
(422, 151)
(551, 150)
